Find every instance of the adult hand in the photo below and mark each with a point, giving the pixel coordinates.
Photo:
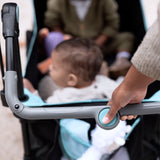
(101, 39)
(132, 90)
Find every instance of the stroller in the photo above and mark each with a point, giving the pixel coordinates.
(38, 119)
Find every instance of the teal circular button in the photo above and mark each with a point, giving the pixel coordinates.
(111, 124)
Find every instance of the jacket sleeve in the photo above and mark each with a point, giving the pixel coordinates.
(147, 57)
(52, 15)
(111, 18)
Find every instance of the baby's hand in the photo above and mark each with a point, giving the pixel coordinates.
(27, 84)
(67, 37)
(43, 32)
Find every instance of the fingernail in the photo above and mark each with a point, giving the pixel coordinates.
(105, 120)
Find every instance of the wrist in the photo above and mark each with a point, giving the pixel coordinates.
(101, 39)
(133, 75)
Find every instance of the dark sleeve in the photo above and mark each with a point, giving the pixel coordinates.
(52, 15)
(111, 18)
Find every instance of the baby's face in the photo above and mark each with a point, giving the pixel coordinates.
(58, 71)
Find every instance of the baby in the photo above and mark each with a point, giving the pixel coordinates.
(75, 67)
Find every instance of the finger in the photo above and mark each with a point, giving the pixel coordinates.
(110, 115)
(123, 118)
(130, 117)
(109, 103)
(135, 116)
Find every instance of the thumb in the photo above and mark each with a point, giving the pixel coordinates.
(110, 115)
(109, 103)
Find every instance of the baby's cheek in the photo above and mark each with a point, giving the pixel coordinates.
(52, 75)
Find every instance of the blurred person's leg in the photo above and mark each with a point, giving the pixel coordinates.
(121, 49)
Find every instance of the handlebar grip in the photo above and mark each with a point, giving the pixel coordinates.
(10, 18)
(141, 109)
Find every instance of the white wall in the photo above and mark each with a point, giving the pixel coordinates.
(150, 11)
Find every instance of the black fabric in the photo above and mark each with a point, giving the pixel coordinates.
(44, 139)
(151, 139)
(134, 142)
(40, 7)
(37, 55)
(153, 88)
(131, 19)
(144, 141)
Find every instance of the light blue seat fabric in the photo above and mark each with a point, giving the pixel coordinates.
(74, 137)
(154, 98)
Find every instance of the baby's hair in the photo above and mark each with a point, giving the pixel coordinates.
(83, 57)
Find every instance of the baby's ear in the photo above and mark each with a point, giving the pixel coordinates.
(72, 80)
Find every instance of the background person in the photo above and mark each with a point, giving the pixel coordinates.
(77, 18)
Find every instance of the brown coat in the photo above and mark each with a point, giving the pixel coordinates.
(101, 18)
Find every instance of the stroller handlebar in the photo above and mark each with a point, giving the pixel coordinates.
(39, 113)
(97, 111)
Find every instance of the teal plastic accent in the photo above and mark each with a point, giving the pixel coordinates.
(73, 135)
(17, 13)
(35, 29)
(144, 16)
(136, 122)
(36, 101)
(102, 113)
(33, 100)
(155, 98)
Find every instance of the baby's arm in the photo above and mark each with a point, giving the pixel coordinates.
(27, 84)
